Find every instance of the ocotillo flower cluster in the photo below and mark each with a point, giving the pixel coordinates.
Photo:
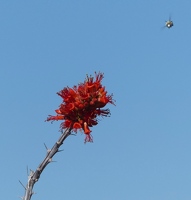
(82, 104)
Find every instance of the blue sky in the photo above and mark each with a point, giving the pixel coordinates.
(142, 152)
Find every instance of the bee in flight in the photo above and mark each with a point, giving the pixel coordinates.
(169, 23)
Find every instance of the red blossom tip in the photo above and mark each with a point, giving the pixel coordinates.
(82, 104)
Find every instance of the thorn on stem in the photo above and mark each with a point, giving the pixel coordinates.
(60, 150)
(27, 171)
(22, 185)
(48, 150)
(50, 160)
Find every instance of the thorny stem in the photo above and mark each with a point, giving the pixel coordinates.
(35, 175)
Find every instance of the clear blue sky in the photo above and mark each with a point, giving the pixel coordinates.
(143, 151)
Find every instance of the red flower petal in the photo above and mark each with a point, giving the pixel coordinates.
(82, 105)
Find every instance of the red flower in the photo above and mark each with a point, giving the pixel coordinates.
(82, 104)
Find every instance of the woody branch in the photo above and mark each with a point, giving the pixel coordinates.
(35, 175)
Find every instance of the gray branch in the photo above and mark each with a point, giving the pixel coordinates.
(35, 175)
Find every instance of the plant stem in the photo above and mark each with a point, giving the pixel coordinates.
(35, 175)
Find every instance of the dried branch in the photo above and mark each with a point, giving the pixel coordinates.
(35, 175)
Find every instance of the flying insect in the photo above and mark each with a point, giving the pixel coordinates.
(169, 23)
